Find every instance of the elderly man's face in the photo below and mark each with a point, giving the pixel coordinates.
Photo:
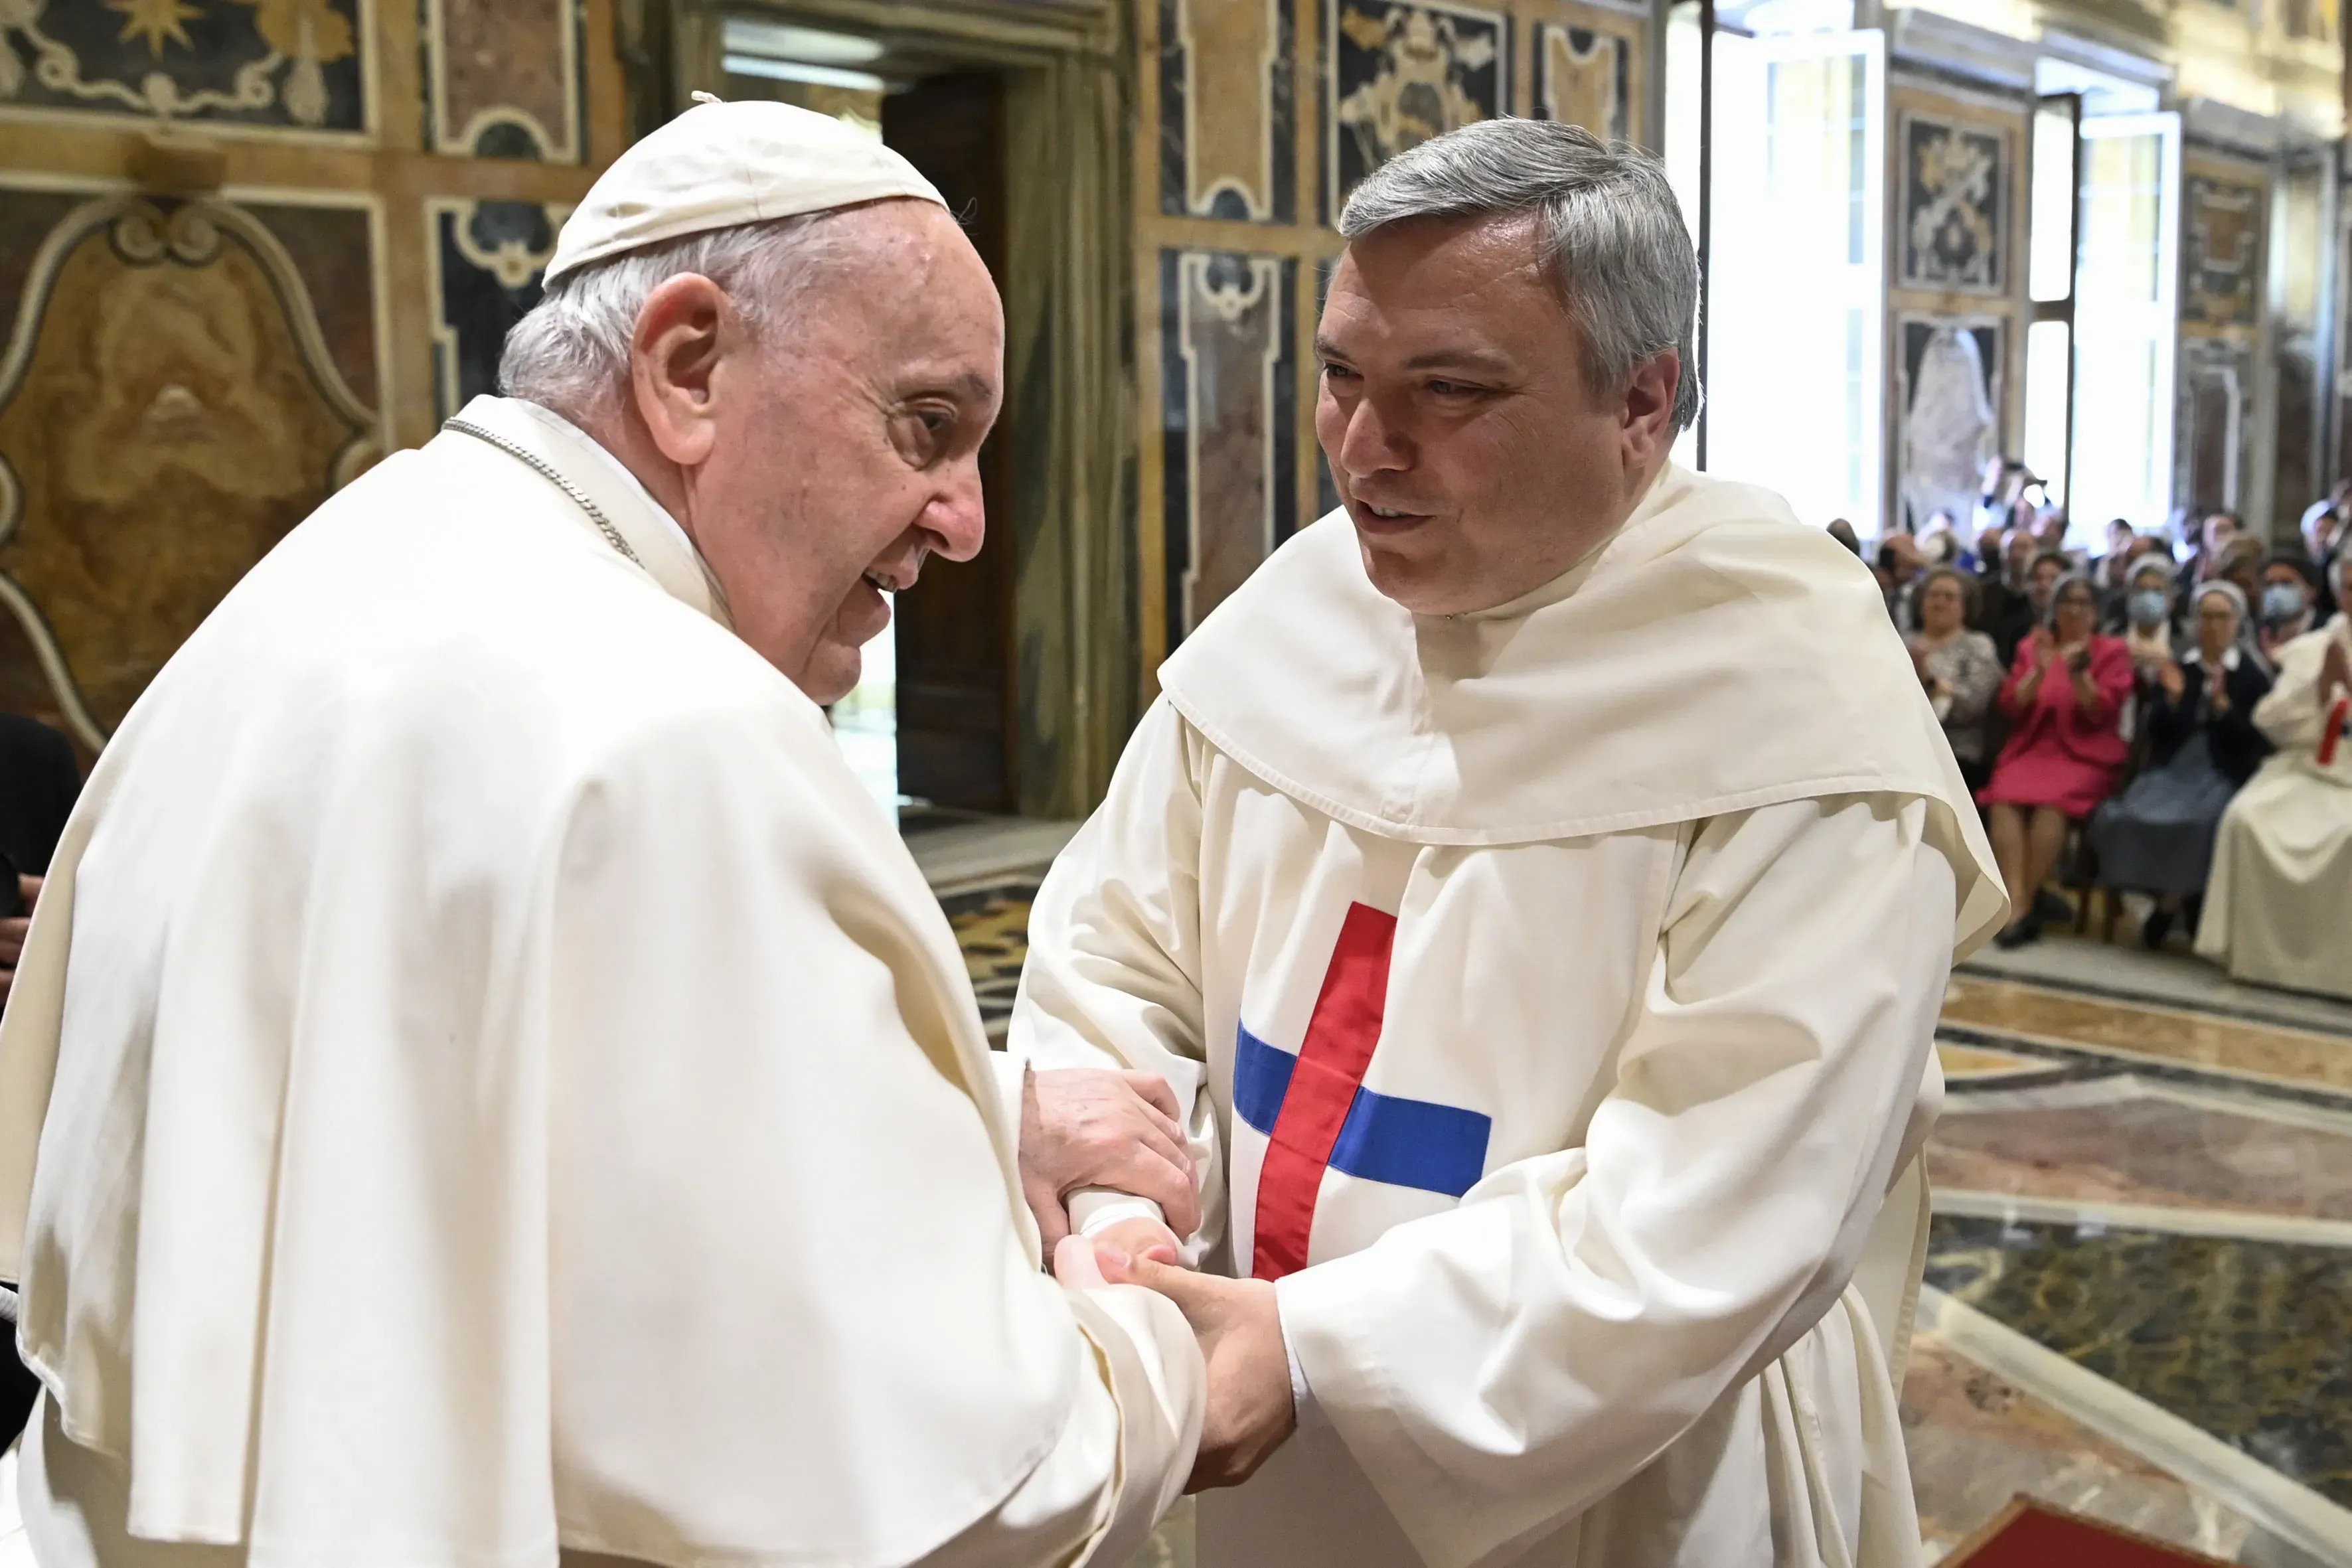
(1474, 456)
(824, 459)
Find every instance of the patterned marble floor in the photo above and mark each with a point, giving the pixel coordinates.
(2140, 1302)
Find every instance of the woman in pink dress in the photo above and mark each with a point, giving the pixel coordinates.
(2064, 700)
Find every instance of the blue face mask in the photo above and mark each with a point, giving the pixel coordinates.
(2281, 602)
(2146, 607)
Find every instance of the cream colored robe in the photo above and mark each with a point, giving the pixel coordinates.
(504, 1093)
(2278, 905)
(1663, 867)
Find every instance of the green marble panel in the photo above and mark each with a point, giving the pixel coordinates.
(2251, 1341)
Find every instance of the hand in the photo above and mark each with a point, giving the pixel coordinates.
(2217, 692)
(1919, 662)
(2169, 674)
(1250, 1412)
(1090, 1127)
(12, 932)
(2335, 671)
(2044, 645)
(2078, 659)
(1141, 1237)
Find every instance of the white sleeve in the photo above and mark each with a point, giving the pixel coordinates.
(794, 1312)
(1498, 1368)
(1087, 1502)
(1112, 978)
(2288, 715)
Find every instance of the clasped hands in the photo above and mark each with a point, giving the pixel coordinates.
(1083, 1127)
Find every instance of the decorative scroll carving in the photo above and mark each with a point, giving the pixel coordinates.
(503, 77)
(1587, 80)
(1400, 74)
(488, 259)
(1228, 114)
(168, 410)
(293, 64)
(1231, 397)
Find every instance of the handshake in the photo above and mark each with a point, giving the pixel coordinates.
(1085, 1128)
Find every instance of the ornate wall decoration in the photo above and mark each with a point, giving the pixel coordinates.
(169, 408)
(487, 259)
(1400, 74)
(503, 77)
(1954, 203)
(2215, 421)
(1228, 110)
(1230, 407)
(296, 65)
(2222, 251)
(1948, 391)
(1585, 78)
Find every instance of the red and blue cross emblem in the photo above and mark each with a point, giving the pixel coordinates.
(1317, 1114)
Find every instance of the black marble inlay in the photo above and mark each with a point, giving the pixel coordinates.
(478, 306)
(2248, 1341)
(2084, 1063)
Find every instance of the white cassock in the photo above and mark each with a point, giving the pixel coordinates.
(2278, 904)
(1554, 990)
(510, 1098)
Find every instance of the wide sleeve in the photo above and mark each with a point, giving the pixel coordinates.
(1113, 975)
(2289, 718)
(1497, 1369)
(794, 1315)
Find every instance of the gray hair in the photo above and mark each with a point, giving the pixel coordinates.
(571, 352)
(1611, 232)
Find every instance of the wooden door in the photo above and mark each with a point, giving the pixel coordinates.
(955, 625)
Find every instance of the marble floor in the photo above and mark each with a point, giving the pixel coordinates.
(2139, 1303)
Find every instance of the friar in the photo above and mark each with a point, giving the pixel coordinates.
(1537, 882)
(479, 1056)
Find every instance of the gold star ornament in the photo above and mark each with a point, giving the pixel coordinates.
(156, 21)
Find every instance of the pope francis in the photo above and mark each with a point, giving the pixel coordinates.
(1539, 881)
(485, 1089)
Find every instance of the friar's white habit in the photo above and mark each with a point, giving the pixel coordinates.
(1554, 990)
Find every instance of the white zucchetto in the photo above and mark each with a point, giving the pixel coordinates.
(720, 165)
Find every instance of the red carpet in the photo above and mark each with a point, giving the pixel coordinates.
(2028, 1534)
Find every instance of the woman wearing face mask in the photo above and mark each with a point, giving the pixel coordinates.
(2064, 700)
(1957, 667)
(2145, 617)
(2158, 836)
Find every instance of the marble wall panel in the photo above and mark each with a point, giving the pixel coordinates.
(503, 77)
(1585, 76)
(487, 259)
(1229, 406)
(169, 407)
(2222, 275)
(298, 66)
(1398, 74)
(1947, 398)
(2215, 430)
(1953, 204)
(1228, 110)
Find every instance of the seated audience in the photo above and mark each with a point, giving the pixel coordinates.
(2278, 908)
(2323, 539)
(1957, 667)
(2064, 700)
(1842, 532)
(2158, 836)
